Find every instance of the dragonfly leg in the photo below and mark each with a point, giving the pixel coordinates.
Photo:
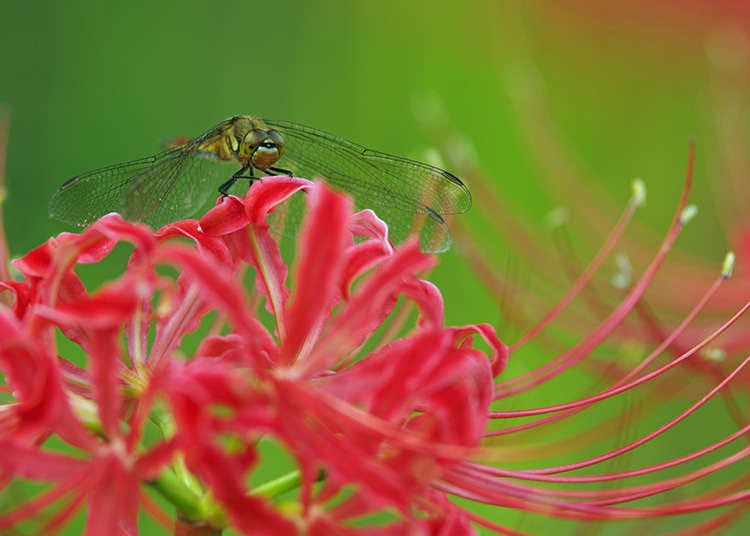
(224, 188)
(278, 171)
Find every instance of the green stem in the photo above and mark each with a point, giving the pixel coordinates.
(188, 503)
(281, 485)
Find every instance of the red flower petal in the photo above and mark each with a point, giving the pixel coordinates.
(30, 462)
(32, 372)
(112, 500)
(500, 352)
(205, 242)
(266, 194)
(360, 258)
(365, 223)
(429, 300)
(110, 307)
(226, 217)
(368, 307)
(219, 287)
(318, 269)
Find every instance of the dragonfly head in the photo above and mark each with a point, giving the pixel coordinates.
(262, 148)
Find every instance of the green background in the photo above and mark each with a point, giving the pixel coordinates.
(91, 83)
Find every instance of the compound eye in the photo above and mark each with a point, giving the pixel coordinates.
(266, 154)
(276, 137)
(251, 142)
(255, 137)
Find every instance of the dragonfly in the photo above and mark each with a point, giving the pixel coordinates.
(412, 197)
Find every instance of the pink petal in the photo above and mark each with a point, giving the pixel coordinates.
(32, 372)
(220, 287)
(500, 351)
(269, 192)
(22, 296)
(369, 306)
(150, 464)
(116, 228)
(112, 501)
(37, 262)
(250, 515)
(342, 444)
(429, 300)
(360, 258)
(110, 307)
(30, 462)
(271, 271)
(318, 268)
(191, 229)
(104, 361)
(226, 217)
(365, 223)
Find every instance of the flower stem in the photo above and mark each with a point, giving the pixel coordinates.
(183, 527)
(186, 501)
(274, 488)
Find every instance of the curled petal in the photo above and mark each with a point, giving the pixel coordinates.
(500, 351)
(360, 258)
(36, 263)
(226, 217)
(266, 194)
(113, 227)
(429, 373)
(429, 300)
(191, 229)
(366, 224)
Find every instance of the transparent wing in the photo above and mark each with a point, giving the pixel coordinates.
(156, 189)
(410, 196)
(178, 189)
(88, 196)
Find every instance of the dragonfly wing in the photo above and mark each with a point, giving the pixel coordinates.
(411, 197)
(179, 184)
(433, 187)
(89, 196)
(176, 188)
(157, 189)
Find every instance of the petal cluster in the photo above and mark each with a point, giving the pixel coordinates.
(209, 333)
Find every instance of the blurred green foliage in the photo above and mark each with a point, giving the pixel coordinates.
(91, 84)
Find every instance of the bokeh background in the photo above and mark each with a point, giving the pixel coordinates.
(533, 92)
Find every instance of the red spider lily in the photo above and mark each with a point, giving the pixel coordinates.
(375, 421)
